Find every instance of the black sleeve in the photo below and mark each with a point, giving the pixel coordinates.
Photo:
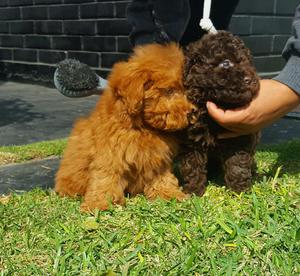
(290, 75)
(139, 15)
(157, 20)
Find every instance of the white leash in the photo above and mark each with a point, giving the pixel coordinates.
(206, 23)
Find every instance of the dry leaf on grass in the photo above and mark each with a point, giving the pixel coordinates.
(4, 199)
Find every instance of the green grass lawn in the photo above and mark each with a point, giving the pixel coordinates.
(17, 154)
(255, 233)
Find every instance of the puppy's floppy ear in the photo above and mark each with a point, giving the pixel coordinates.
(127, 82)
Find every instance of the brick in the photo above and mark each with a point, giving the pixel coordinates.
(79, 27)
(259, 44)
(34, 13)
(20, 2)
(279, 43)
(97, 10)
(5, 54)
(255, 7)
(121, 9)
(283, 8)
(3, 3)
(99, 44)
(4, 27)
(25, 55)
(48, 27)
(272, 25)
(109, 59)
(37, 41)
(9, 13)
(66, 43)
(21, 27)
(240, 25)
(123, 44)
(51, 57)
(15, 41)
(91, 59)
(113, 27)
(269, 63)
(64, 12)
(45, 2)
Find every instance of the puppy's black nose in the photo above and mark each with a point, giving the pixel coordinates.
(193, 115)
(194, 109)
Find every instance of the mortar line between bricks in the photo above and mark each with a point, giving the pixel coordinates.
(272, 43)
(275, 7)
(64, 50)
(117, 44)
(81, 43)
(49, 64)
(26, 62)
(21, 12)
(93, 19)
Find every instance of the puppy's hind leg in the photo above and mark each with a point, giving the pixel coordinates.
(72, 176)
(165, 186)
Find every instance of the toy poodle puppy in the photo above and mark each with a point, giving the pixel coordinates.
(218, 68)
(127, 144)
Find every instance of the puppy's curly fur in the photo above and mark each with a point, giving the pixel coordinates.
(126, 145)
(218, 68)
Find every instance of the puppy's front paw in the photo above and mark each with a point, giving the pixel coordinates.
(91, 206)
(182, 196)
(179, 195)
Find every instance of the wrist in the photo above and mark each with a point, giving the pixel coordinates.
(277, 99)
(287, 98)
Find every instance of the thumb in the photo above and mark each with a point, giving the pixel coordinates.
(228, 135)
(215, 112)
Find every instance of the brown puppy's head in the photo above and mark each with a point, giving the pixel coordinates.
(219, 68)
(149, 87)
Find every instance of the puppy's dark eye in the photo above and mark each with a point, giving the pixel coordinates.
(226, 64)
(148, 84)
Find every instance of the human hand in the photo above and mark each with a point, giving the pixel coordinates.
(274, 100)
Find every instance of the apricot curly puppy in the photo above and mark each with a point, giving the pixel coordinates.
(126, 144)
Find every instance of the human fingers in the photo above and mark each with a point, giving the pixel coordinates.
(229, 134)
(226, 117)
(215, 112)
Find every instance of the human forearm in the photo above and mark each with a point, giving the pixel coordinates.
(277, 98)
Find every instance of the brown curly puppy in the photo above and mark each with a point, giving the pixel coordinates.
(218, 68)
(126, 144)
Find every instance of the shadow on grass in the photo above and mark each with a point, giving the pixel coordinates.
(286, 155)
(17, 111)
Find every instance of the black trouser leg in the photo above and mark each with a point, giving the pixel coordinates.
(148, 16)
